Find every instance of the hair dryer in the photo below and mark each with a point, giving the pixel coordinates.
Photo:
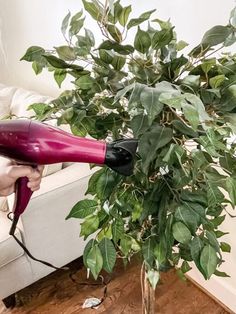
(33, 143)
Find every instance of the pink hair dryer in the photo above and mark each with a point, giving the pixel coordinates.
(34, 143)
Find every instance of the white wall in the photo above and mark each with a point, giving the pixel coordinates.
(25, 23)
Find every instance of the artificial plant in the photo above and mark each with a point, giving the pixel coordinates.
(181, 107)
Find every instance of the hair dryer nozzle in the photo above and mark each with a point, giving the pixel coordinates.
(120, 156)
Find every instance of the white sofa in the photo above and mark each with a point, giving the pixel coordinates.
(42, 228)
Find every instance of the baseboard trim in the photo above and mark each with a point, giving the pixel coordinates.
(220, 296)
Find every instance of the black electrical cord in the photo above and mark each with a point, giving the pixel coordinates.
(28, 252)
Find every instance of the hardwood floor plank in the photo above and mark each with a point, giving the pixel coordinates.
(58, 294)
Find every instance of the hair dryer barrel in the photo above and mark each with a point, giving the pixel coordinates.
(36, 143)
(40, 144)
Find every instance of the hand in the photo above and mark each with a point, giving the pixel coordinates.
(10, 172)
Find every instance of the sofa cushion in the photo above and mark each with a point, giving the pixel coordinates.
(6, 95)
(22, 99)
(9, 248)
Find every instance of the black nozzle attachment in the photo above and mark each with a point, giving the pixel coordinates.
(120, 156)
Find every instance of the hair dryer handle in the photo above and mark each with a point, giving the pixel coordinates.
(22, 197)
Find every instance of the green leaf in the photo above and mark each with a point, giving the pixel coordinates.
(191, 115)
(208, 64)
(196, 246)
(65, 23)
(37, 67)
(153, 277)
(228, 162)
(124, 15)
(216, 35)
(143, 17)
(142, 41)
(208, 260)
(188, 217)
(85, 82)
(213, 240)
(214, 195)
(92, 185)
(199, 51)
(217, 80)
(192, 81)
(87, 248)
(139, 124)
(225, 247)
(233, 17)
(134, 100)
(197, 103)
(218, 221)
(228, 99)
(160, 251)
(106, 56)
(163, 24)
(115, 10)
(75, 26)
(114, 32)
(40, 110)
(185, 267)
(118, 62)
(106, 183)
(121, 93)
(59, 76)
(112, 45)
(90, 36)
(106, 231)
(94, 10)
(34, 53)
(126, 244)
(60, 64)
(197, 196)
(89, 226)
(150, 142)
(83, 209)
(221, 274)
(149, 98)
(76, 16)
(171, 100)
(117, 229)
(148, 251)
(66, 53)
(94, 261)
(108, 254)
(181, 45)
(181, 233)
(183, 128)
(230, 40)
(219, 233)
(231, 188)
(162, 38)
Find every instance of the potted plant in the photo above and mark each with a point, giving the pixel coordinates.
(181, 108)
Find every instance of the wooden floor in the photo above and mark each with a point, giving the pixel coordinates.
(59, 294)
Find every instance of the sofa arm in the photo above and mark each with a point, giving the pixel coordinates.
(44, 230)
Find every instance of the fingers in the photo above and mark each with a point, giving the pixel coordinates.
(34, 175)
(17, 171)
(34, 185)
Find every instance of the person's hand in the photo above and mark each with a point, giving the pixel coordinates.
(10, 172)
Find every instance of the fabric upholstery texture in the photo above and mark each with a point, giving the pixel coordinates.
(9, 249)
(42, 227)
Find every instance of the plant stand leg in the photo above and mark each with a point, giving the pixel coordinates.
(10, 301)
(148, 297)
